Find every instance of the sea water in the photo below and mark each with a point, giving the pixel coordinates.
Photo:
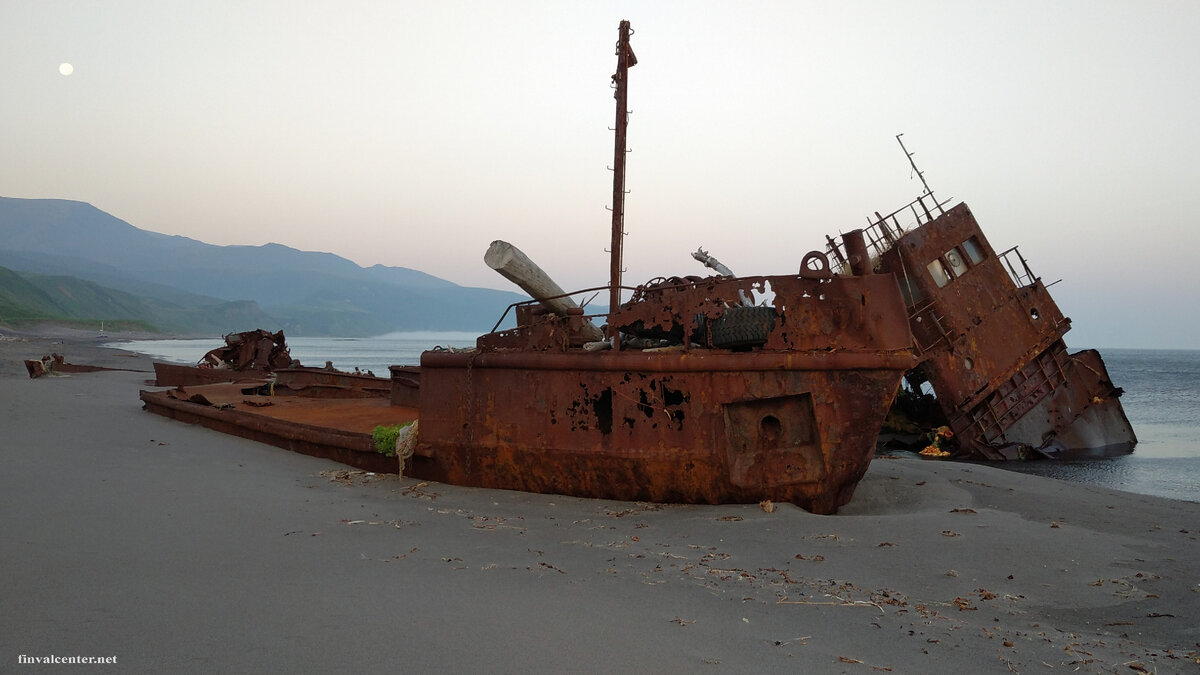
(1162, 401)
(372, 354)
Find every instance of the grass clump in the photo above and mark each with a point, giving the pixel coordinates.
(385, 436)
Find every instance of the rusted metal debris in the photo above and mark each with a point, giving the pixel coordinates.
(56, 363)
(328, 383)
(258, 354)
(38, 368)
(792, 418)
(701, 395)
(722, 388)
(989, 340)
(255, 350)
(715, 389)
(244, 362)
(337, 429)
(245, 356)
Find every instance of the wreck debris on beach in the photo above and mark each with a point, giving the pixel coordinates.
(713, 389)
(989, 338)
(262, 357)
(247, 355)
(56, 364)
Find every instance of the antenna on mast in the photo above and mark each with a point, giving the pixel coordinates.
(909, 155)
(937, 205)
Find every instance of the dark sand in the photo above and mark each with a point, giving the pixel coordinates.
(179, 549)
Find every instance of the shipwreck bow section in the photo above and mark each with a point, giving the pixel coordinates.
(989, 338)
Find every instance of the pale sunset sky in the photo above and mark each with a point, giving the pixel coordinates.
(413, 134)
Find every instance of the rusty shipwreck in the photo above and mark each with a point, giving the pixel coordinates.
(714, 389)
(989, 340)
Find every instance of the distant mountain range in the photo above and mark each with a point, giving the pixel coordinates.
(70, 260)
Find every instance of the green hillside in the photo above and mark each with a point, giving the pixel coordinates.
(179, 284)
(21, 301)
(31, 298)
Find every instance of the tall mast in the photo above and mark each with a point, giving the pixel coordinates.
(625, 59)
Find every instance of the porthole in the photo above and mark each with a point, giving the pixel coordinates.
(771, 430)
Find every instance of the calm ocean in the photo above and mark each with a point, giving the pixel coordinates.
(1162, 401)
(373, 354)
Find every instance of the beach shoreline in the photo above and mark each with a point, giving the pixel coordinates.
(177, 548)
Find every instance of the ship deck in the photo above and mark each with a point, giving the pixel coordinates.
(338, 429)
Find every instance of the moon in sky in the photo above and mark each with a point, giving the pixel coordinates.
(66, 68)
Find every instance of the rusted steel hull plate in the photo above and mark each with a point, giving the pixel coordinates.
(319, 438)
(696, 426)
(179, 375)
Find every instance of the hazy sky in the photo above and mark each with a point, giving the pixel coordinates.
(413, 134)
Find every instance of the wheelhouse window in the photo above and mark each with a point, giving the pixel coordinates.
(973, 250)
(938, 271)
(955, 260)
(954, 263)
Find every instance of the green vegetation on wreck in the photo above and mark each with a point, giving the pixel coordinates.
(385, 438)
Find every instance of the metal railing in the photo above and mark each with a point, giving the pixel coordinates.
(884, 231)
(1017, 267)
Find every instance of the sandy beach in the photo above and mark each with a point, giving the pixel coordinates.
(178, 549)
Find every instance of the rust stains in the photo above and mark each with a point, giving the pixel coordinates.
(989, 338)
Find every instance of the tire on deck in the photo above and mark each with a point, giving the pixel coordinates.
(743, 327)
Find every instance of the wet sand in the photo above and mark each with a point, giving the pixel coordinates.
(179, 549)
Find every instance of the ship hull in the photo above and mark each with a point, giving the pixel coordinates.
(696, 426)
